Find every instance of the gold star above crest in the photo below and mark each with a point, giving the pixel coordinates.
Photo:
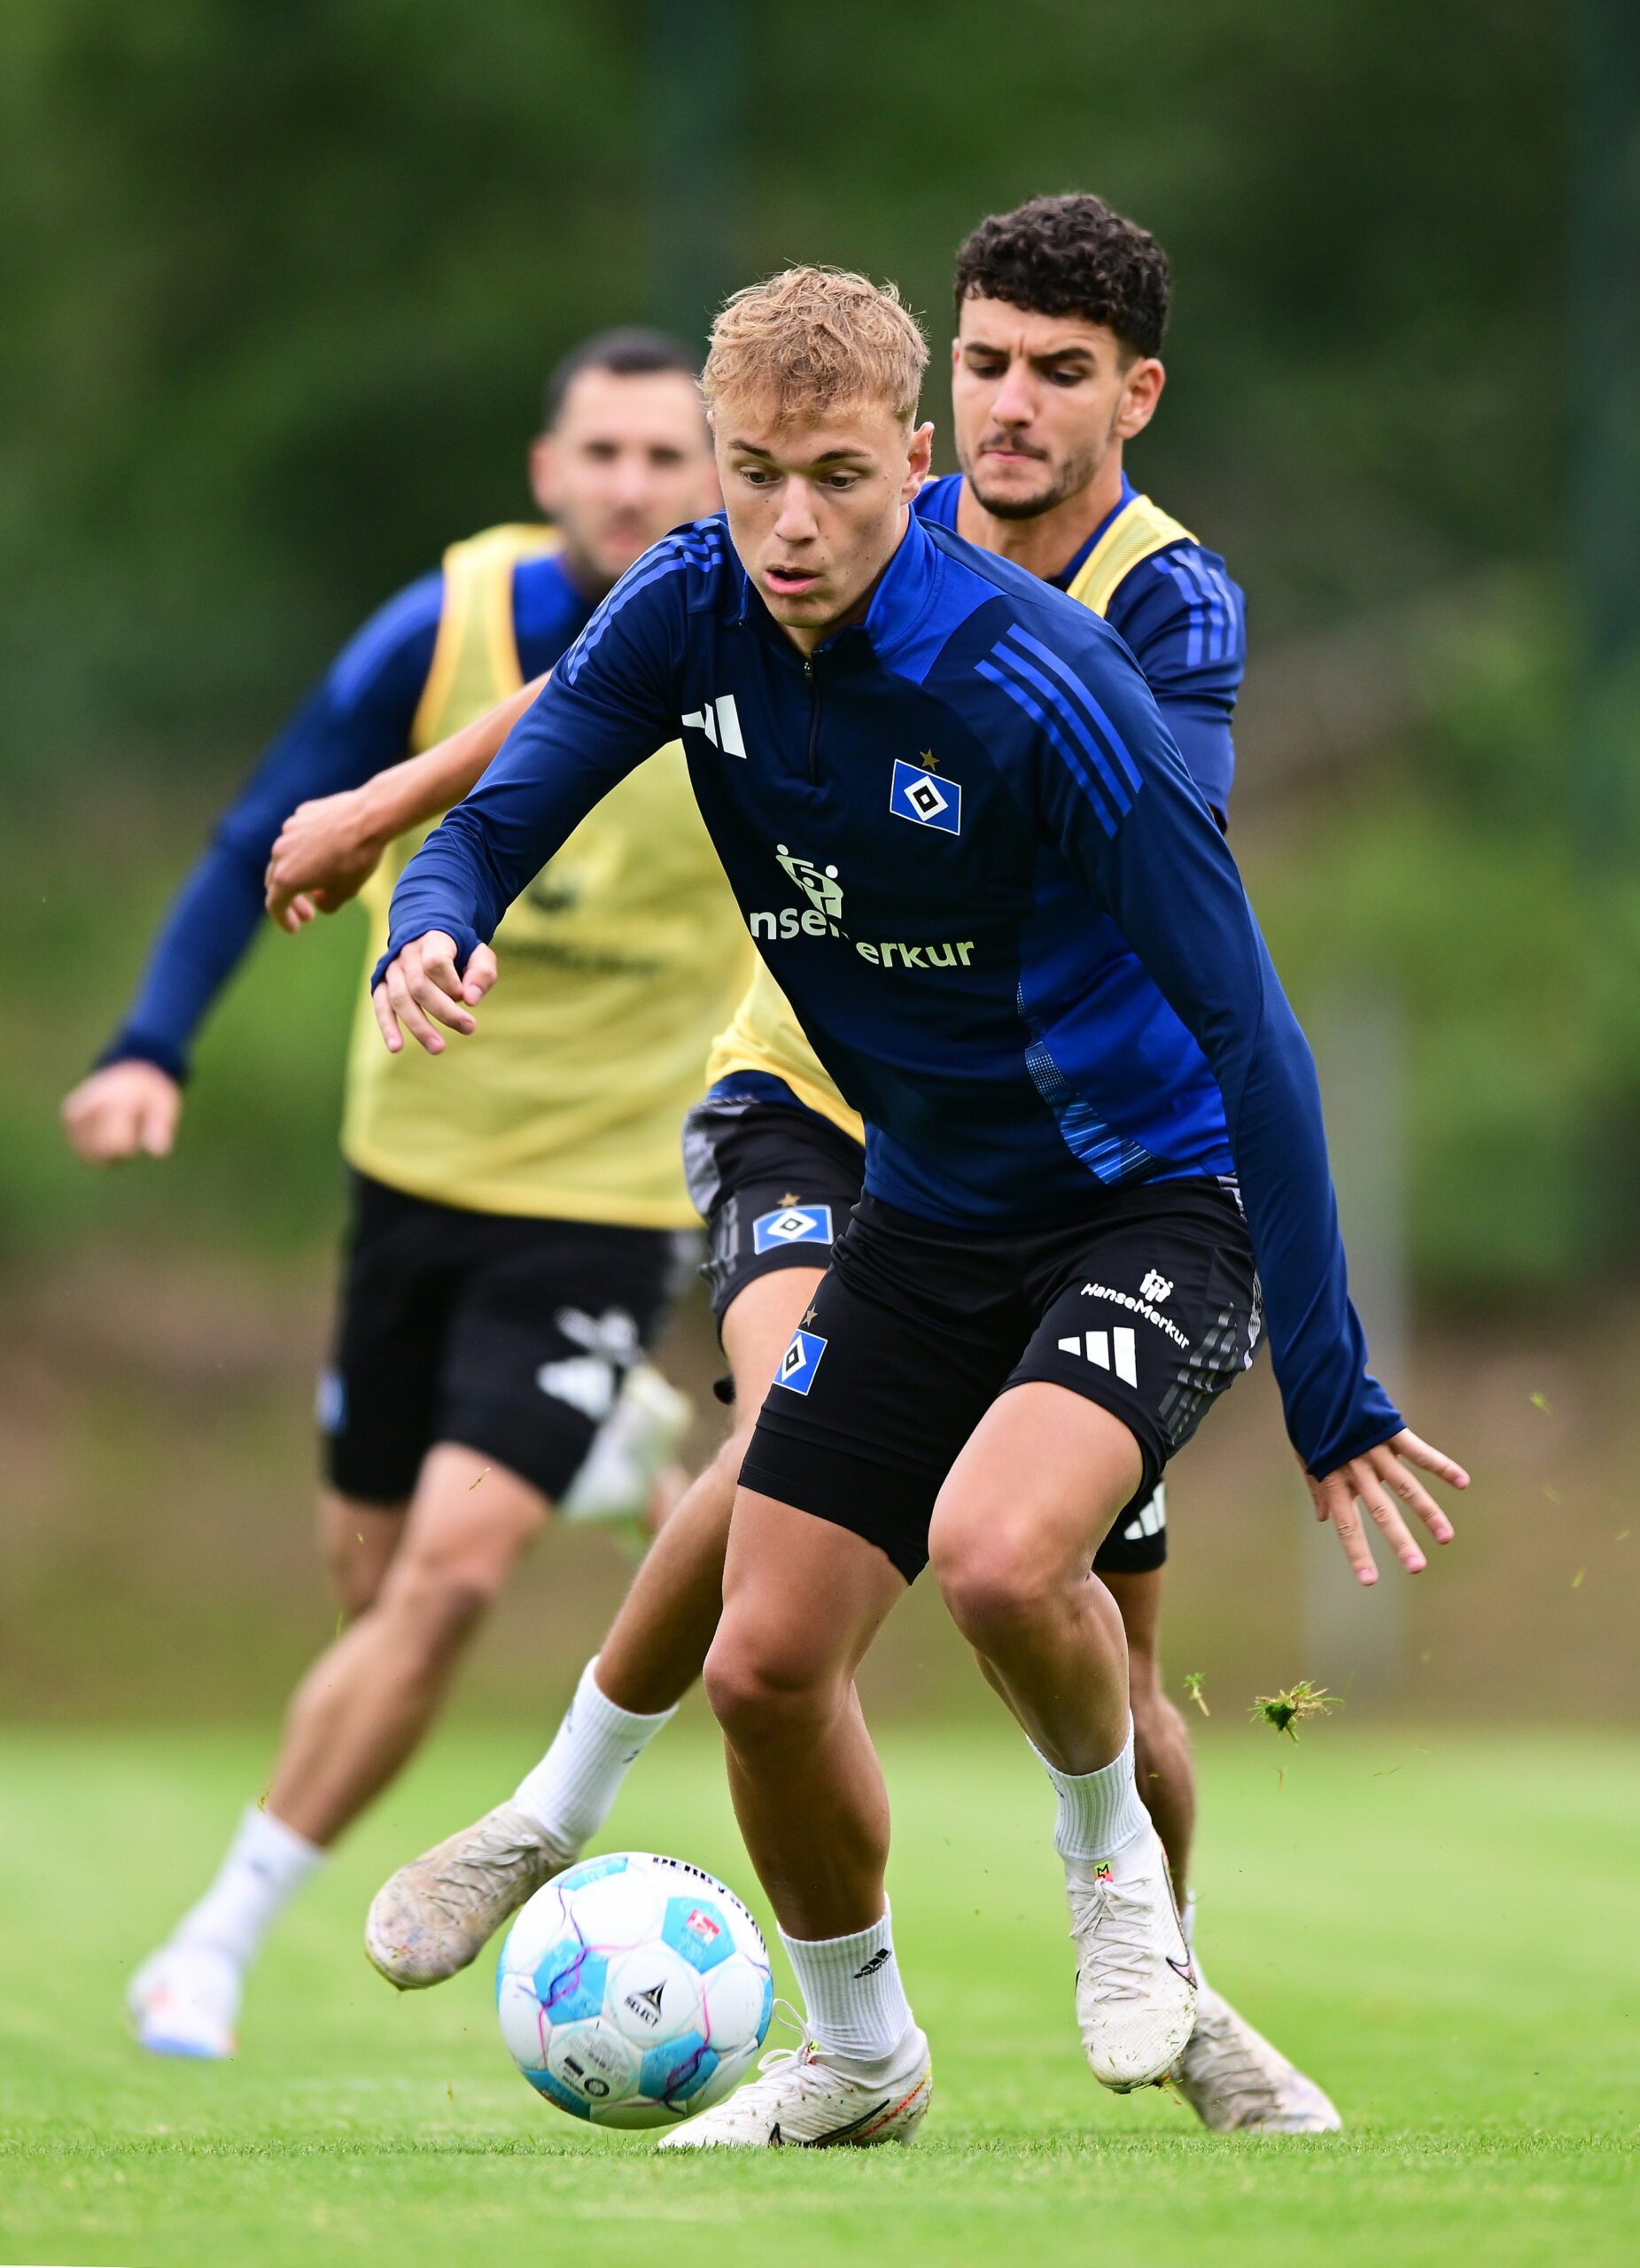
(928, 760)
(808, 1318)
(790, 1198)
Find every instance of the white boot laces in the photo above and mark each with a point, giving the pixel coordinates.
(784, 2070)
(1110, 1930)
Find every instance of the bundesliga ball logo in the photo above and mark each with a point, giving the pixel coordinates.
(633, 1990)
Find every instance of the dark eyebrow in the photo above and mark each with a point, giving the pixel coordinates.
(1074, 353)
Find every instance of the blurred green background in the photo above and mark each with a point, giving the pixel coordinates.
(281, 281)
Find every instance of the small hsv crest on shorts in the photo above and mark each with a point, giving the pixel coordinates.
(800, 1362)
(791, 1224)
(917, 795)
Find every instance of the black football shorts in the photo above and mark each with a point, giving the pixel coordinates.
(773, 1180)
(1150, 1306)
(508, 1335)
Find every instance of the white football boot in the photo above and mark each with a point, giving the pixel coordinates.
(1238, 2084)
(184, 2000)
(800, 2102)
(1136, 1980)
(436, 1915)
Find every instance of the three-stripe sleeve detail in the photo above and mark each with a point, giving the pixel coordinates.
(1215, 620)
(1053, 698)
(701, 548)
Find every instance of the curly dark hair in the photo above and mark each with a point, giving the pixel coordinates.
(1070, 256)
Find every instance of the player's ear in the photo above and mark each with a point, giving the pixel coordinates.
(544, 472)
(918, 458)
(1141, 391)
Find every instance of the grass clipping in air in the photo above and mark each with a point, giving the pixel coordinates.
(1288, 1710)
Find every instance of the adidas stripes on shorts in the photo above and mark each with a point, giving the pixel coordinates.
(1149, 1306)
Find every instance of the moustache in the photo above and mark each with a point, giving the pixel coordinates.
(1012, 442)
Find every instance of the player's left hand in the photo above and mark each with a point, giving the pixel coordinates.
(1376, 1480)
(326, 853)
(420, 989)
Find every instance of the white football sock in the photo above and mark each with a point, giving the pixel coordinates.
(1099, 1812)
(570, 1791)
(850, 1986)
(267, 1864)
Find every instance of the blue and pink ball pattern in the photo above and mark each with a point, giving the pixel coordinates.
(633, 1990)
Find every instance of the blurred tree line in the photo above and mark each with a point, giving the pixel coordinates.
(281, 281)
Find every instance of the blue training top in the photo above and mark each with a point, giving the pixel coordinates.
(969, 851)
(1184, 623)
(356, 722)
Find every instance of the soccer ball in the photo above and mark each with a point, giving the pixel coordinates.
(633, 1990)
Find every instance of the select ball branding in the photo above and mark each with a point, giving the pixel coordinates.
(633, 1990)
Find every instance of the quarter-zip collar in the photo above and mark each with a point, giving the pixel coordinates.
(906, 592)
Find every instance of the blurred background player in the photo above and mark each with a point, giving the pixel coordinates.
(515, 1221)
(1060, 308)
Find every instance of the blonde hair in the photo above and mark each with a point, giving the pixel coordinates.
(816, 339)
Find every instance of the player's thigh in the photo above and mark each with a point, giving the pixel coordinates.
(757, 1327)
(468, 1523)
(903, 1346)
(378, 1395)
(1150, 1313)
(1030, 1496)
(550, 1316)
(357, 1542)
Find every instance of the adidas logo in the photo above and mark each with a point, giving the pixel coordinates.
(719, 720)
(1107, 1350)
(882, 1953)
(1151, 1519)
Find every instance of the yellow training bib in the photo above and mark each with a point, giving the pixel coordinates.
(616, 967)
(764, 1035)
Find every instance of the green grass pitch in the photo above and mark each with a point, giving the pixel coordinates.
(1443, 1927)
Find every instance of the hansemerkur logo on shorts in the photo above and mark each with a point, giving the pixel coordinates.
(822, 917)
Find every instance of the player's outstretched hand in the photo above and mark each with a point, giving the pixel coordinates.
(1376, 1480)
(326, 851)
(420, 990)
(125, 1110)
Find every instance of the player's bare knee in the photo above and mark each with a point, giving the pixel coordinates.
(994, 1592)
(757, 1691)
(437, 1595)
